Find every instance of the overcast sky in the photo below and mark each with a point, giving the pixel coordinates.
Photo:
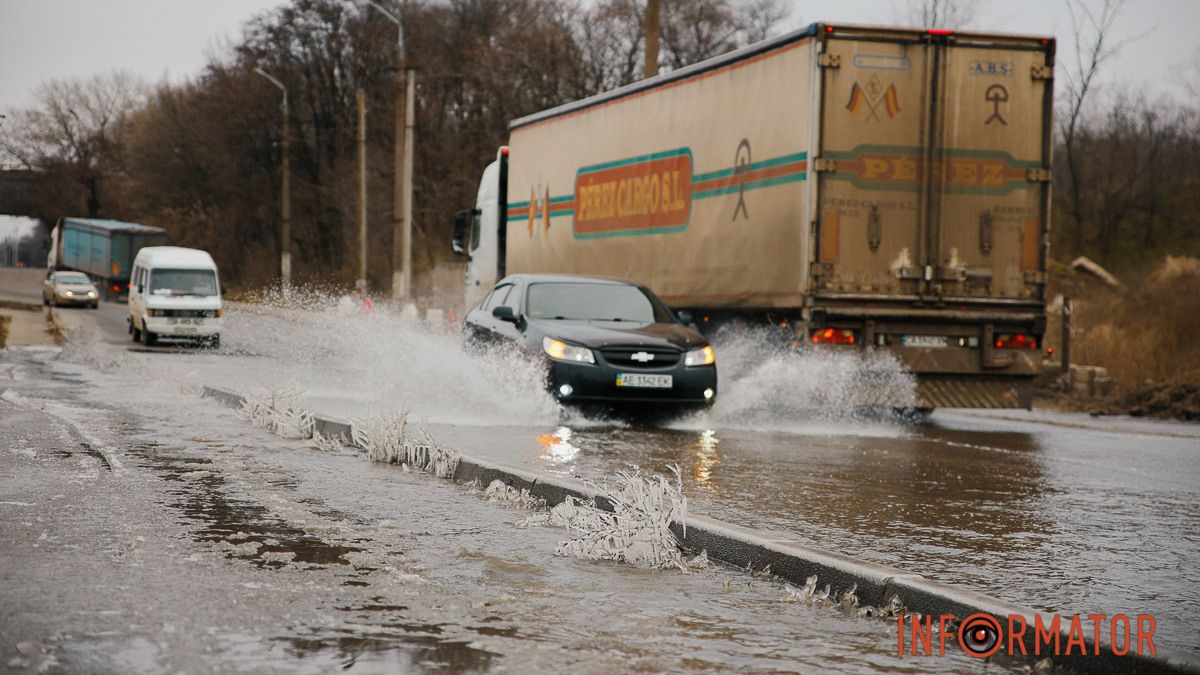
(170, 39)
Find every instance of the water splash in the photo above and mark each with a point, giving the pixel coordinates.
(766, 385)
(384, 360)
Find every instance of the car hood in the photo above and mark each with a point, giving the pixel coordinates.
(598, 334)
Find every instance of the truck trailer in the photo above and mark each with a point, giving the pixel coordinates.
(102, 249)
(856, 187)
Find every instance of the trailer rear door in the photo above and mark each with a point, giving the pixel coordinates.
(931, 179)
(872, 132)
(988, 210)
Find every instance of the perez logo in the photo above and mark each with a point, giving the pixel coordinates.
(647, 194)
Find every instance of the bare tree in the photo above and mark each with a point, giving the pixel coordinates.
(952, 14)
(74, 130)
(1094, 46)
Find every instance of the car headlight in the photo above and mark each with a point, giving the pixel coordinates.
(69, 293)
(700, 357)
(91, 294)
(561, 351)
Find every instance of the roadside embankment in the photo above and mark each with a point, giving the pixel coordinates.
(23, 323)
(1143, 340)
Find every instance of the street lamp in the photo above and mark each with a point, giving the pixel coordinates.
(402, 190)
(285, 246)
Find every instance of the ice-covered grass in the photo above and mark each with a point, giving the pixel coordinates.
(386, 439)
(499, 491)
(847, 600)
(281, 411)
(638, 528)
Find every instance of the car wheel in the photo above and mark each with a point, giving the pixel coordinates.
(133, 330)
(95, 305)
(149, 338)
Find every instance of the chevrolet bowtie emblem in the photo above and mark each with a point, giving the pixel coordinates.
(642, 356)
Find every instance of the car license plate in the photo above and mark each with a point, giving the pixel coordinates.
(644, 381)
(924, 341)
(185, 330)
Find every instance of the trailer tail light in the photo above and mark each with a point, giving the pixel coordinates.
(833, 336)
(1016, 341)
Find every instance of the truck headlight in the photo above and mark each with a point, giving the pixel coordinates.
(561, 351)
(700, 357)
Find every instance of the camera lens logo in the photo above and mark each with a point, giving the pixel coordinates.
(979, 635)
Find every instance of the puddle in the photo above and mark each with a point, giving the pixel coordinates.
(252, 531)
(395, 652)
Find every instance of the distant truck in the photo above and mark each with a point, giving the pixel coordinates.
(103, 249)
(855, 187)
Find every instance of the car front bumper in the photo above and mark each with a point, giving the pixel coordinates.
(588, 383)
(75, 299)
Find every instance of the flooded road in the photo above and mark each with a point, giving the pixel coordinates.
(1060, 512)
(1061, 518)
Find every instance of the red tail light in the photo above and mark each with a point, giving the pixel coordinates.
(116, 288)
(1016, 341)
(833, 336)
(940, 31)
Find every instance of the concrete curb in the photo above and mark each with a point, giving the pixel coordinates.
(795, 562)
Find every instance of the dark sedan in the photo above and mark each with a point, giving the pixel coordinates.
(604, 341)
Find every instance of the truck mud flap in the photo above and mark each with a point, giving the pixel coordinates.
(942, 391)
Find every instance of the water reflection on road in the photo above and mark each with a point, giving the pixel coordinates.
(1057, 517)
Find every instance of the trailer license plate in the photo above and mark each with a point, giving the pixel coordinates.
(924, 341)
(644, 381)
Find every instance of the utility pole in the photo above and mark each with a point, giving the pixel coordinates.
(653, 10)
(402, 188)
(285, 243)
(362, 185)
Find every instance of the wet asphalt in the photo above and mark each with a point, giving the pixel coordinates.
(1062, 512)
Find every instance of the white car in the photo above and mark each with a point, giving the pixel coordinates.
(70, 288)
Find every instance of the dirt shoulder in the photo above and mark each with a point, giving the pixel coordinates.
(1177, 398)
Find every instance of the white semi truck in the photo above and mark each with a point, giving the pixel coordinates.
(856, 187)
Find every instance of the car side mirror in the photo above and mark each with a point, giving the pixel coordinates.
(458, 232)
(505, 314)
(685, 317)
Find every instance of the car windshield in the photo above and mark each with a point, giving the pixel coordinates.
(183, 282)
(594, 302)
(73, 279)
